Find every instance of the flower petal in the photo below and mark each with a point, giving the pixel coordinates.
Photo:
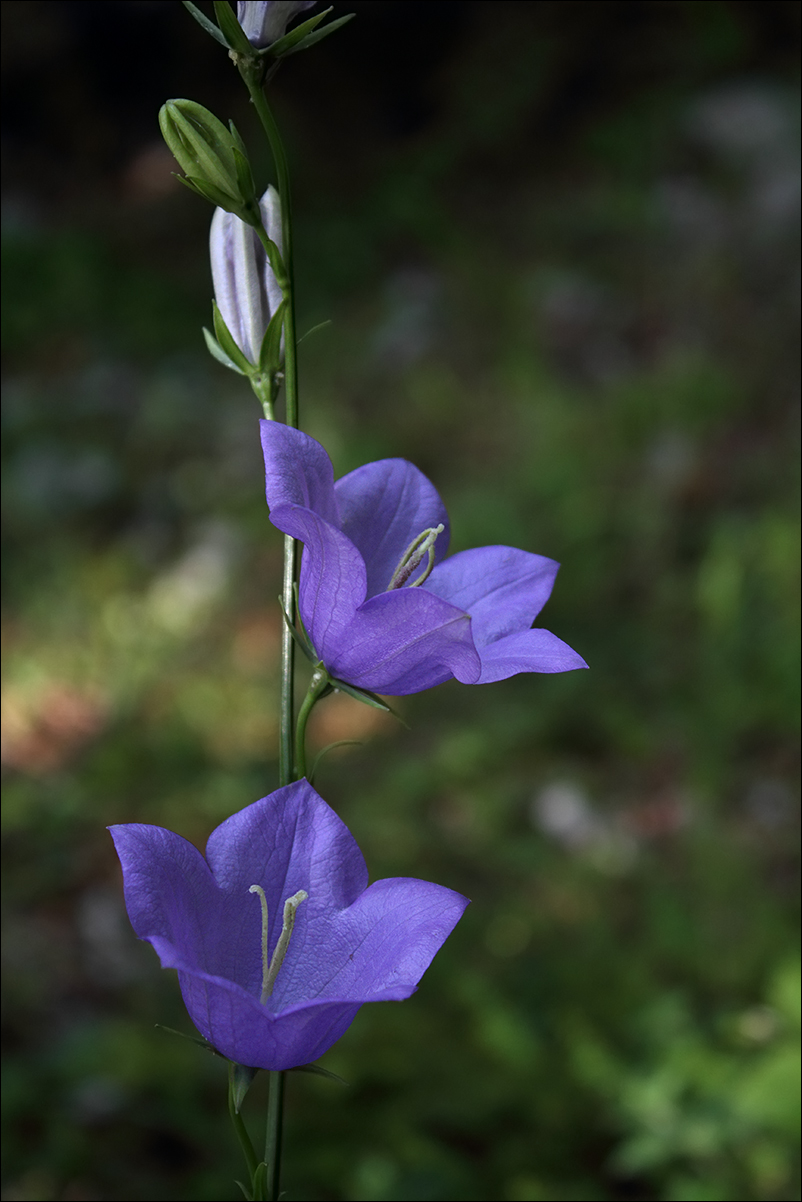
(527, 651)
(405, 641)
(239, 1027)
(245, 288)
(297, 471)
(174, 903)
(332, 585)
(502, 588)
(387, 939)
(383, 507)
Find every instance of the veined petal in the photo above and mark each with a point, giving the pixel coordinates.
(383, 507)
(332, 583)
(527, 651)
(297, 471)
(238, 282)
(405, 641)
(392, 932)
(502, 588)
(170, 895)
(270, 208)
(239, 1027)
(284, 843)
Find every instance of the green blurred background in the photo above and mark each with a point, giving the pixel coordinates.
(558, 245)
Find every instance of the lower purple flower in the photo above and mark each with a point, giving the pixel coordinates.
(277, 937)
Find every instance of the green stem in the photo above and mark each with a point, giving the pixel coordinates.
(240, 1128)
(286, 766)
(317, 687)
(275, 1108)
(287, 772)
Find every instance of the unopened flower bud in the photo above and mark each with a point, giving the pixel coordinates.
(265, 22)
(245, 287)
(212, 155)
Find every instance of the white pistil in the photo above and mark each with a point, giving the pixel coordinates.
(270, 969)
(418, 549)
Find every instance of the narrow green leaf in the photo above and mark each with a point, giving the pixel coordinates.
(310, 776)
(320, 326)
(232, 30)
(229, 346)
(319, 1072)
(270, 351)
(320, 34)
(205, 23)
(296, 35)
(246, 1193)
(216, 350)
(260, 1183)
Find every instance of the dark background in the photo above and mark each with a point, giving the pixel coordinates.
(558, 245)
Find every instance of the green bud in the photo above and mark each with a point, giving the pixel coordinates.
(212, 156)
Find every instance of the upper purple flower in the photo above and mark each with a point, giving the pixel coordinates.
(276, 935)
(383, 608)
(264, 21)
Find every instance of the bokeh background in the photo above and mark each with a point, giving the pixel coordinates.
(558, 246)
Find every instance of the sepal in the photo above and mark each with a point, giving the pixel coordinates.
(205, 23)
(367, 698)
(270, 353)
(227, 343)
(217, 352)
(231, 29)
(316, 1068)
(304, 35)
(319, 34)
(242, 1078)
(202, 1043)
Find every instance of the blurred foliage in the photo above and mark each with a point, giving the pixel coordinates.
(558, 243)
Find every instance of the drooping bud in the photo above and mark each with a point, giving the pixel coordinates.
(213, 157)
(246, 290)
(264, 21)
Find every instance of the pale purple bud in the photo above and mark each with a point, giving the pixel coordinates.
(245, 288)
(265, 21)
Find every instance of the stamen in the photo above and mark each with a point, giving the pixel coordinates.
(290, 906)
(270, 970)
(420, 547)
(265, 967)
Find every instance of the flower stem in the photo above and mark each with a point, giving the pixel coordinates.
(275, 1108)
(317, 687)
(287, 771)
(240, 1128)
(286, 767)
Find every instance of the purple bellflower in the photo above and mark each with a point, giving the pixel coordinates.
(382, 606)
(265, 21)
(277, 937)
(245, 288)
